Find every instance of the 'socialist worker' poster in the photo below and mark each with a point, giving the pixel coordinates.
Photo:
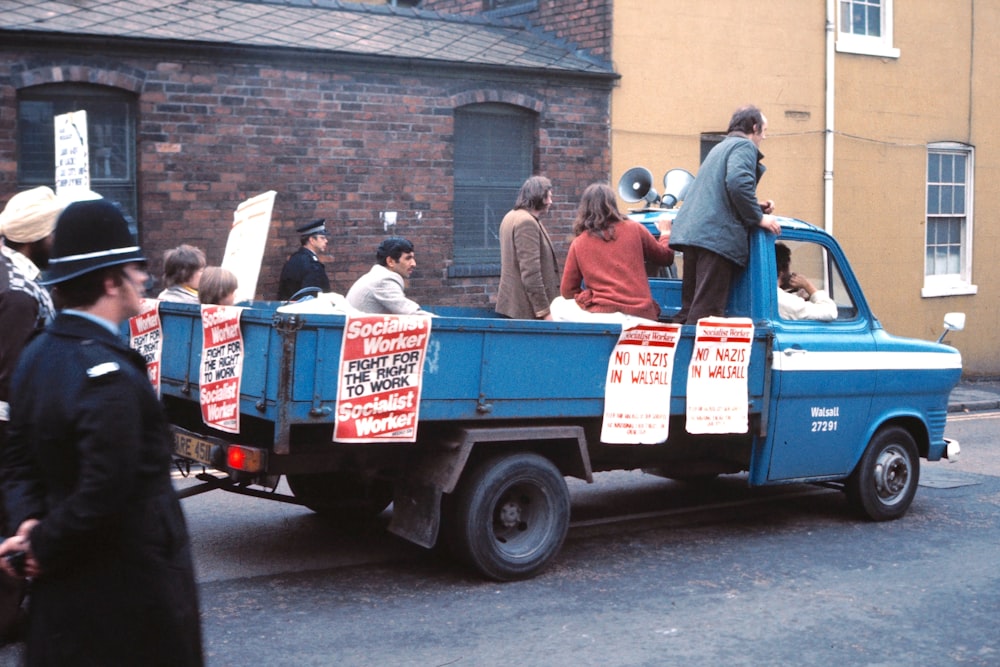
(146, 338)
(221, 367)
(637, 390)
(717, 388)
(381, 367)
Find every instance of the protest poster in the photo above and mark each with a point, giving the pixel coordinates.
(717, 387)
(221, 367)
(246, 242)
(381, 371)
(637, 389)
(72, 154)
(146, 338)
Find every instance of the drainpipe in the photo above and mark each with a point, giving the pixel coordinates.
(831, 36)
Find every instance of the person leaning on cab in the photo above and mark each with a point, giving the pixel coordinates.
(182, 270)
(605, 269)
(217, 286)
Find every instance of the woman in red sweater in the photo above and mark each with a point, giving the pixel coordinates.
(605, 270)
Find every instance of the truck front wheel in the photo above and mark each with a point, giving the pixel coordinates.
(884, 482)
(510, 516)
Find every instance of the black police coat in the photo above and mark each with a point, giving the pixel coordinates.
(89, 454)
(303, 269)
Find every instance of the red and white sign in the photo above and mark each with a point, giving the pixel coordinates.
(221, 367)
(637, 390)
(381, 369)
(146, 338)
(717, 388)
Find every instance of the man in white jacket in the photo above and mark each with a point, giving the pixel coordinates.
(816, 304)
(381, 290)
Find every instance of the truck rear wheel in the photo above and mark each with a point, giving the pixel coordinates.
(884, 482)
(510, 516)
(341, 496)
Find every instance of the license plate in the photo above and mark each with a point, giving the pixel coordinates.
(192, 447)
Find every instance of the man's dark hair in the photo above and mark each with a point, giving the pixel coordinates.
(782, 256)
(532, 194)
(744, 119)
(395, 247)
(85, 290)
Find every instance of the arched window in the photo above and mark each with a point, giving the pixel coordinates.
(111, 138)
(494, 155)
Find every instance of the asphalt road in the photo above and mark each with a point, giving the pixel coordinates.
(653, 573)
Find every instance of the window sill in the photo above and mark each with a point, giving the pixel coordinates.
(962, 289)
(473, 270)
(867, 48)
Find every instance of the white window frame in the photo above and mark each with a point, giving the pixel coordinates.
(952, 284)
(868, 45)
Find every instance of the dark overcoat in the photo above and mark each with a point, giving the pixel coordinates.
(303, 269)
(720, 206)
(89, 454)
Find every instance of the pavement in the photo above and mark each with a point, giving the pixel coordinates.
(975, 394)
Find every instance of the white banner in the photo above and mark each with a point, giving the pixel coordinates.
(246, 242)
(72, 154)
(717, 388)
(637, 390)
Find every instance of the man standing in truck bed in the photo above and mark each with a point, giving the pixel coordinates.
(720, 208)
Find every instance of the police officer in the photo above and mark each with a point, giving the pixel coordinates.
(303, 268)
(86, 470)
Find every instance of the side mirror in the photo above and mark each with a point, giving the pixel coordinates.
(952, 322)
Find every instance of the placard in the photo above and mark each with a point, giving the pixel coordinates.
(637, 389)
(146, 338)
(72, 154)
(221, 367)
(717, 387)
(381, 371)
(246, 242)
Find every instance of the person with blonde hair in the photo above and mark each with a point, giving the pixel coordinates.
(217, 286)
(182, 269)
(605, 269)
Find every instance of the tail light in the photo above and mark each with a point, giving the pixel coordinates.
(246, 459)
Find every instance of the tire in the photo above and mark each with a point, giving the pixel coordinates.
(885, 480)
(341, 496)
(509, 516)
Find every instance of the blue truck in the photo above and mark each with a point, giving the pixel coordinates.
(510, 408)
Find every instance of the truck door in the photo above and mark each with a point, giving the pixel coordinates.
(821, 386)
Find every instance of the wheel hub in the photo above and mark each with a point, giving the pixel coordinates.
(891, 473)
(509, 514)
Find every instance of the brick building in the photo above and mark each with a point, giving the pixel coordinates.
(346, 110)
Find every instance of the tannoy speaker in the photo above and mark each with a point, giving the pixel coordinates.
(675, 185)
(636, 184)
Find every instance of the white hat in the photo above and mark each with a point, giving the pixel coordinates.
(31, 215)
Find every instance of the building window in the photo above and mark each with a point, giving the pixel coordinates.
(111, 138)
(494, 155)
(865, 27)
(948, 242)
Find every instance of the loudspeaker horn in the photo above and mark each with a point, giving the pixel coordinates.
(636, 184)
(675, 185)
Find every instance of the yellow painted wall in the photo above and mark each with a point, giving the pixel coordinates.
(686, 66)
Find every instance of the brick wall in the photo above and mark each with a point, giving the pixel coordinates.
(586, 23)
(334, 140)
